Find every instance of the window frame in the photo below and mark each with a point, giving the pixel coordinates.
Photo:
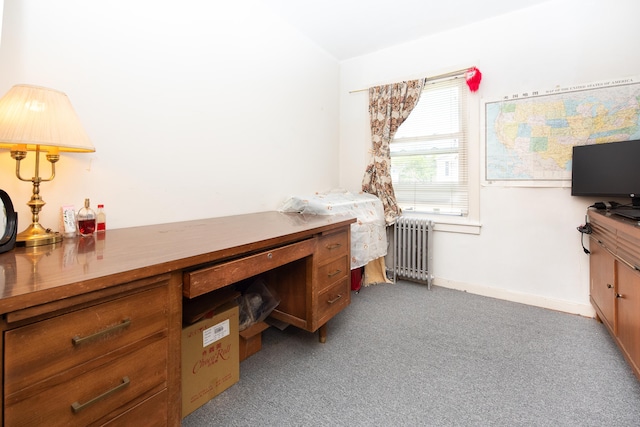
(469, 223)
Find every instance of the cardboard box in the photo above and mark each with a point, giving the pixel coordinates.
(210, 361)
(251, 339)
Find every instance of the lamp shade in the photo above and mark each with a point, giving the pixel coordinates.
(33, 116)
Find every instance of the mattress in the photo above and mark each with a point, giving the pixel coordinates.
(368, 233)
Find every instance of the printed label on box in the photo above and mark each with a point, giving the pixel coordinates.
(214, 333)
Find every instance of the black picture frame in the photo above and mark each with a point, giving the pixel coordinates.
(8, 240)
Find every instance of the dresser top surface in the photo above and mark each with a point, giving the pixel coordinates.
(612, 219)
(35, 275)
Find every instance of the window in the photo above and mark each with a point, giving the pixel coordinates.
(429, 166)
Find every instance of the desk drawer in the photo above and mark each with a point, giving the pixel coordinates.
(332, 272)
(43, 349)
(84, 398)
(332, 300)
(208, 279)
(150, 413)
(332, 245)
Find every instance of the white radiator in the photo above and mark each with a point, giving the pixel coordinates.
(413, 250)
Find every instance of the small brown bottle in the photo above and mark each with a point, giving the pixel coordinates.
(86, 220)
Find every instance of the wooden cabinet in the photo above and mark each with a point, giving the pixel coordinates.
(602, 283)
(333, 272)
(314, 289)
(628, 313)
(311, 277)
(628, 293)
(615, 281)
(91, 363)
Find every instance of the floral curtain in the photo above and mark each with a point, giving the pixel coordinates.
(389, 106)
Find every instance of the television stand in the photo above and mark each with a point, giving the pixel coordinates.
(615, 281)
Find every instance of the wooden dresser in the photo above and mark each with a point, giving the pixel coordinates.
(615, 281)
(91, 327)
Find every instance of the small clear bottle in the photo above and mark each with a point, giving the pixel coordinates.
(86, 220)
(101, 219)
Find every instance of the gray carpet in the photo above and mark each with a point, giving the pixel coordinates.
(402, 355)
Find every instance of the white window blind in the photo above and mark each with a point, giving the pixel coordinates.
(429, 152)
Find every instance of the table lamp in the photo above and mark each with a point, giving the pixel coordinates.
(39, 119)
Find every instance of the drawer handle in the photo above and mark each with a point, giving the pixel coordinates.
(609, 286)
(334, 246)
(331, 301)
(334, 273)
(79, 340)
(619, 295)
(77, 407)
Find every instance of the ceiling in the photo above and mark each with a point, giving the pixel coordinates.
(350, 28)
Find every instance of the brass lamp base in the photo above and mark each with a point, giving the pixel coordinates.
(37, 235)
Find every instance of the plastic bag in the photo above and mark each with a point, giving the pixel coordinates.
(256, 303)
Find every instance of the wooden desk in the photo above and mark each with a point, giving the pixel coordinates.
(91, 327)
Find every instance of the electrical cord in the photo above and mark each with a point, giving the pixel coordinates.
(585, 229)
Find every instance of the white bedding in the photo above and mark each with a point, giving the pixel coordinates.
(368, 233)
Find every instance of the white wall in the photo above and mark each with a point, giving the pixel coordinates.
(202, 109)
(528, 249)
(196, 108)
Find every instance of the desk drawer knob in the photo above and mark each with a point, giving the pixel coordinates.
(79, 340)
(77, 406)
(334, 246)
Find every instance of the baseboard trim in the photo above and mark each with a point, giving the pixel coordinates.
(585, 310)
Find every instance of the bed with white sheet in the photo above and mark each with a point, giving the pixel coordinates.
(368, 233)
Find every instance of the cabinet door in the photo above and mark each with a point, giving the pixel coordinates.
(602, 288)
(628, 312)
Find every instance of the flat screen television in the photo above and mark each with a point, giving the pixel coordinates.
(608, 170)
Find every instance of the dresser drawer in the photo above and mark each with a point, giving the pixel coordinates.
(333, 271)
(49, 347)
(150, 413)
(332, 300)
(80, 399)
(332, 245)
